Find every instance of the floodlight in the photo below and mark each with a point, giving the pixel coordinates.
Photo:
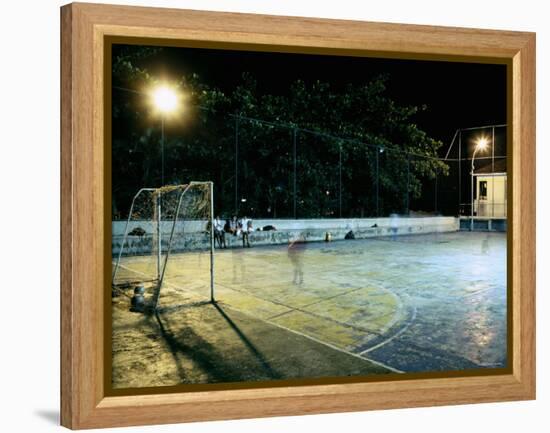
(482, 143)
(165, 99)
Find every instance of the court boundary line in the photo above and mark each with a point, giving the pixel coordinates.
(397, 334)
(291, 309)
(345, 324)
(324, 343)
(355, 355)
(328, 298)
(301, 310)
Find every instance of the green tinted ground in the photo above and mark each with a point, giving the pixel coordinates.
(415, 303)
(207, 343)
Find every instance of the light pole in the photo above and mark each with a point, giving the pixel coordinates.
(481, 144)
(166, 101)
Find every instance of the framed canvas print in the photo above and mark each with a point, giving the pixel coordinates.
(270, 216)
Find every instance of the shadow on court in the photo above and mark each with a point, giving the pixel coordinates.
(212, 343)
(188, 344)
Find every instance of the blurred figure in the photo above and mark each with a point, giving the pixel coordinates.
(233, 225)
(394, 224)
(227, 226)
(245, 226)
(485, 246)
(296, 250)
(238, 266)
(219, 233)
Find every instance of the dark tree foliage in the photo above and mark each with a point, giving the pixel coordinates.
(336, 142)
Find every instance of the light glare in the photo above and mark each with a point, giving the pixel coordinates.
(165, 99)
(482, 143)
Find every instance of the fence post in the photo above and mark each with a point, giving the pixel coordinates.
(377, 180)
(459, 172)
(212, 294)
(162, 152)
(340, 179)
(294, 193)
(159, 233)
(408, 183)
(435, 198)
(236, 164)
(493, 170)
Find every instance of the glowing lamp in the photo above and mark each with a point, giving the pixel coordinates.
(482, 143)
(165, 99)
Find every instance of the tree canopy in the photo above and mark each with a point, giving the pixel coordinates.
(323, 150)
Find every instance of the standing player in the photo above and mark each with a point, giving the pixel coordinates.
(246, 227)
(219, 233)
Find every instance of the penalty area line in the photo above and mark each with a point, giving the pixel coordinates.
(360, 355)
(324, 343)
(397, 334)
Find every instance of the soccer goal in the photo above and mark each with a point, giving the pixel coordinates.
(168, 234)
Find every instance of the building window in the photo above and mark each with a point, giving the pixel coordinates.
(483, 190)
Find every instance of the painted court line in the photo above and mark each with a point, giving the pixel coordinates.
(297, 309)
(310, 313)
(301, 310)
(292, 309)
(397, 334)
(328, 298)
(324, 343)
(359, 356)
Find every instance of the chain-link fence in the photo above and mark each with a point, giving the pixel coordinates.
(479, 156)
(274, 170)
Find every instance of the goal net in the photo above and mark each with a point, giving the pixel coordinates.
(164, 250)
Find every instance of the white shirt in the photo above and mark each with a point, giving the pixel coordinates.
(245, 225)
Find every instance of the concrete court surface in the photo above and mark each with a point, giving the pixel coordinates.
(418, 303)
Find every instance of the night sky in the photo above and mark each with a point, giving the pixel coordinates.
(457, 95)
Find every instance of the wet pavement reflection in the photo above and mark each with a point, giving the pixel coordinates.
(413, 303)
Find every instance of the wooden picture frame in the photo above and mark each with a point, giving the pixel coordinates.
(84, 28)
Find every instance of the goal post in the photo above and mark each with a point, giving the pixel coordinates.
(166, 229)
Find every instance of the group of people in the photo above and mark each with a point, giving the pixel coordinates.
(235, 227)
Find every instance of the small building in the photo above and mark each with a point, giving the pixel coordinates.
(491, 190)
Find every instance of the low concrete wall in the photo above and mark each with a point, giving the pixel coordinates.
(482, 224)
(310, 230)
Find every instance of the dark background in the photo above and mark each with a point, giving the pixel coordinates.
(455, 95)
